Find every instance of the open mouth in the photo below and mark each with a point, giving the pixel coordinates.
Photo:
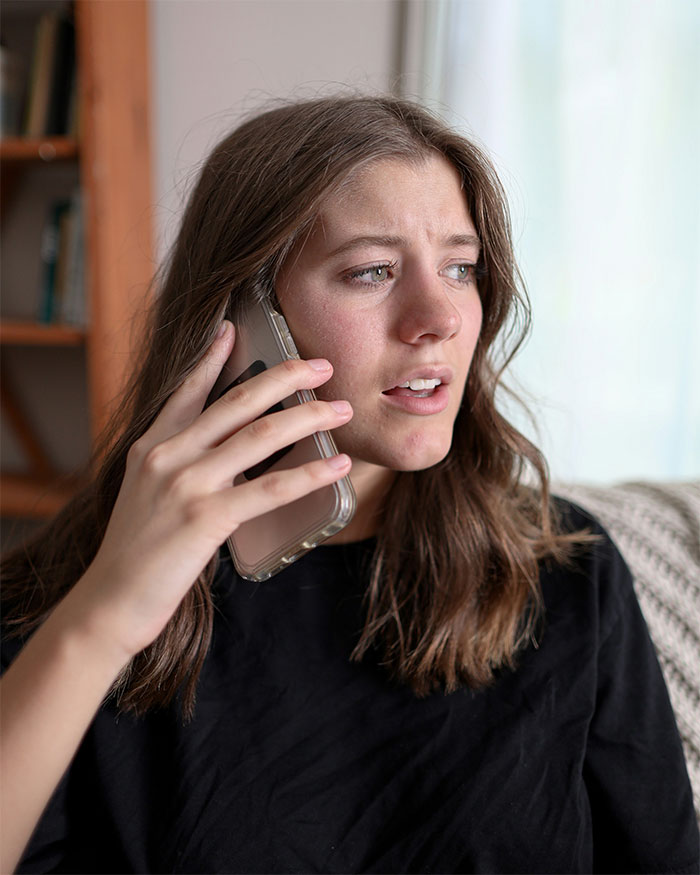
(418, 388)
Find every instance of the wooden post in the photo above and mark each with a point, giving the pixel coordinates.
(115, 120)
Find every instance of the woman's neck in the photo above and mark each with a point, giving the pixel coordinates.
(371, 484)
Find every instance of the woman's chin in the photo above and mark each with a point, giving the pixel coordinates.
(411, 457)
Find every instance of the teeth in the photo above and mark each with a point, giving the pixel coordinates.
(420, 383)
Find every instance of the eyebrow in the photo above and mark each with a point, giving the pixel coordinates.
(383, 240)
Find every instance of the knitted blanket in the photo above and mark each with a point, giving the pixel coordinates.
(657, 529)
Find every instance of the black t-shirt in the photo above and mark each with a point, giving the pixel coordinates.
(298, 760)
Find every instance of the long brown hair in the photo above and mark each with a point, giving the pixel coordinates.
(453, 590)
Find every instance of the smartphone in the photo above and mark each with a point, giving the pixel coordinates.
(266, 545)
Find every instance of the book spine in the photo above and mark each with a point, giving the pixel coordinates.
(30, 109)
(10, 92)
(61, 78)
(72, 310)
(72, 115)
(49, 256)
(42, 67)
(65, 232)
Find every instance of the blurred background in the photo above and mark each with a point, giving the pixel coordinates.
(590, 110)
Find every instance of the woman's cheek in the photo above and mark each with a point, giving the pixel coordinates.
(340, 338)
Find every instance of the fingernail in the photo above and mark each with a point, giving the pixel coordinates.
(223, 328)
(319, 364)
(341, 407)
(340, 461)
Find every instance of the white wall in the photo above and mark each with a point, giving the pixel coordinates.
(216, 59)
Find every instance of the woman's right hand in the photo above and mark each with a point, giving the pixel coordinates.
(177, 505)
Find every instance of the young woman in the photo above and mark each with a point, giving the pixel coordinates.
(460, 681)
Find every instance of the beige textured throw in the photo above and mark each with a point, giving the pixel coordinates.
(656, 527)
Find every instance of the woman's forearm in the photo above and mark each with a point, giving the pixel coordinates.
(49, 696)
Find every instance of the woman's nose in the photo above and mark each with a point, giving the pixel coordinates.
(426, 310)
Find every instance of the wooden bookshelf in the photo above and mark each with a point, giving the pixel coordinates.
(112, 154)
(18, 333)
(26, 496)
(23, 149)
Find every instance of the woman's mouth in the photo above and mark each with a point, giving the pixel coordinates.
(417, 388)
(430, 396)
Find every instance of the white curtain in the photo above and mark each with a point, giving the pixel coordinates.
(591, 110)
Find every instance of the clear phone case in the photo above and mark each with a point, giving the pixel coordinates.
(271, 542)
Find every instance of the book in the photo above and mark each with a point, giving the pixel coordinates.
(73, 113)
(11, 88)
(65, 233)
(45, 39)
(73, 309)
(61, 78)
(49, 257)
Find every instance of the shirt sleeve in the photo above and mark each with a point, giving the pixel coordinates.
(635, 772)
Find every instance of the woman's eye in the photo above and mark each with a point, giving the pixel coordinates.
(462, 272)
(377, 273)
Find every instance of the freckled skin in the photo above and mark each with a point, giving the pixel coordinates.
(388, 322)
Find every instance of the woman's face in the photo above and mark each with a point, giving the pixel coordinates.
(384, 288)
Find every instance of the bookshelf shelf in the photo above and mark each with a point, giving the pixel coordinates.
(32, 497)
(18, 333)
(16, 149)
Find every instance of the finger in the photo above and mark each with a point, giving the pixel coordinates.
(230, 507)
(247, 401)
(187, 401)
(263, 437)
